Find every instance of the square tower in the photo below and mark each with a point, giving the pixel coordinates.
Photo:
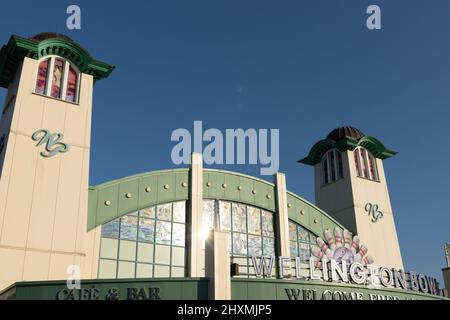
(44, 157)
(351, 186)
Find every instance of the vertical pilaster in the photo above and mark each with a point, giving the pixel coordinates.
(217, 265)
(281, 216)
(195, 216)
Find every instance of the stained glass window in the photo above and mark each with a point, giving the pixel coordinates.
(373, 167)
(178, 234)
(146, 230)
(111, 229)
(208, 214)
(267, 224)
(251, 231)
(145, 243)
(239, 243)
(366, 165)
(71, 85)
(147, 213)
(225, 215)
(179, 212)
(254, 245)
(254, 220)
(300, 241)
(357, 165)
(128, 228)
(239, 218)
(58, 74)
(62, 77)
(164, 212)
(163, 232)
(269, 246)
(41, 81)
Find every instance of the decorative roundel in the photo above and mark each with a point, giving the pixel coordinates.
(340, 246)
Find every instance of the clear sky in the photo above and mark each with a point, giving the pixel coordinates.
(304, 67)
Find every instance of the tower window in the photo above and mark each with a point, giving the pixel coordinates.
(332, 168)
(58, 78)
(366, 165)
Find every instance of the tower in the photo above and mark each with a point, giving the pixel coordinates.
(351, 186)
(44, 157)
(446, 271)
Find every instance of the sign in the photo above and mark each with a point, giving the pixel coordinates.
(372, 210)
(355, 273)
(140, 293)
(341, 258)
(313, 294)
(53, 142)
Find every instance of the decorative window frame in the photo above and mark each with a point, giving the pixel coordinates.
(365, 159)
(331, 165)
(49, 80)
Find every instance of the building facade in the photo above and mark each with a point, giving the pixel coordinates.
(190, 233)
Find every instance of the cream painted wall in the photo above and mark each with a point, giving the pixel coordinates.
(43, 201)
(345, 200)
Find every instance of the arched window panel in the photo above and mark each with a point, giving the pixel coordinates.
(373, 167)
(148, 243)
(41, 80)
(365, 164)
(357, 163)
(251, 230)
(58, 78)
(72, 82)
(332, 168)
(300, 242)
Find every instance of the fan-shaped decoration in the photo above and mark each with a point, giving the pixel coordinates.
(340, 246)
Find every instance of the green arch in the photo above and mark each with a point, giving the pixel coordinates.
(76, 54)
(12, 54)
(116, 198)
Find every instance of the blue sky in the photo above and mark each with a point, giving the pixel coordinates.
(304, 67)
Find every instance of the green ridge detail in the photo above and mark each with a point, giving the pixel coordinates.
(115, 190)
(12, 54)
(372, 144)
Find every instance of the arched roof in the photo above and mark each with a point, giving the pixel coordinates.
(44, 44)
(346, 138)
(113, 199)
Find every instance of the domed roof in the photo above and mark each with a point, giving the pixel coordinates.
(345, 132)
(49, 35)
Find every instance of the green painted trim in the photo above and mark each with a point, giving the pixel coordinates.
(171, 288)
(310, 213)
(12, 54)
(273, 285)
(134, 176)
(240, 175)
(372, 144)
(239, 188)
(109, 200)
(313, 218)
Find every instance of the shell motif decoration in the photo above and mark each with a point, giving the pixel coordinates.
(340, 246)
